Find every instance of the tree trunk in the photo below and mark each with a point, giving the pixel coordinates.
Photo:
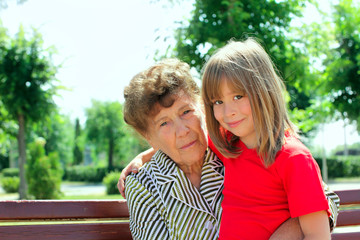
(110, 154)
(22, 157)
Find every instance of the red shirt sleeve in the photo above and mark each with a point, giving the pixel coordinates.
(302, 182)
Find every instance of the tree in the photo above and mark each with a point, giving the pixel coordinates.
(57, 130)
(213, 23)
(343, 61)
(104, 127)
(77, 152)
(44, 172)
(26, 87)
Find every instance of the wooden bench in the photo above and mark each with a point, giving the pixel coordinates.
(349, 215)
(108, 219)
(53, 219)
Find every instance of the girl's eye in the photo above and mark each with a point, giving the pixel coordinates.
(217, 102)
(238, 97)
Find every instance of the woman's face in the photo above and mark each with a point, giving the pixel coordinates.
(179, 131)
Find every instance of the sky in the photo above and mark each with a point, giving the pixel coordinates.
(101, 45)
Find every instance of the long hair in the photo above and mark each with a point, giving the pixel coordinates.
(249, 70)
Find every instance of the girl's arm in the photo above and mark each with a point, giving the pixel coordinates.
(134, 166)
(315, 225)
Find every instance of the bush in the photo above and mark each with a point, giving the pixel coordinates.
(85, 173)
(110, 182)
(341, 167)
(10, 172)
(43, 173)
(10, 184)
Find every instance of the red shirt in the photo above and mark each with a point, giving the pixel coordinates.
(258, 199)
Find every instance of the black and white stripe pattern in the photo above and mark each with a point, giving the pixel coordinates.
(163, 204)
(334, 204)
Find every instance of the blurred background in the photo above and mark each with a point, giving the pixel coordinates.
(64, 65)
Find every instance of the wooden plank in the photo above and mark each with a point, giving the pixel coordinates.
(345, 236)
(88, 231)
(59, 209)
(349, 196)
(348, 218)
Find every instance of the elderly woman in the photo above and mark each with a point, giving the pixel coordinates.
(177, 194)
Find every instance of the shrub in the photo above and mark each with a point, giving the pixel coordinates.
(341, 167)
(43, 173)
(10, 172)
(10, 184)
(85, 173)
(110, 182)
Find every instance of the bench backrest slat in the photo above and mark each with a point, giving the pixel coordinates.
(25, 209)
(88, 231)
(348, 197)
(348, 217)
(345, 236)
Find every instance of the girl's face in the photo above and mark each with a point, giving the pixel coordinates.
(233, 111)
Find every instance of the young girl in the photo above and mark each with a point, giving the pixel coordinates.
(270, 175)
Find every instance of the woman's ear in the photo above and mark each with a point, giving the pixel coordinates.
(149, 140)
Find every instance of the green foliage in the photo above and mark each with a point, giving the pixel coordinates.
(214, 23)
(10, 184)
(104, 126)
(26, 76)
(57, 130)
(10, 172)
(110, 182)
(343, 61)
(79, 144)
(342, 167)
(26, 86)
(85, 173)
(44, 173)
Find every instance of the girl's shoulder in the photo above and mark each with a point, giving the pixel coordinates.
(293, 146)
(293, 152)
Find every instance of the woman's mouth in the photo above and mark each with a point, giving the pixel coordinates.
(186, 146)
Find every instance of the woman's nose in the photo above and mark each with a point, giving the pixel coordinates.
(181, 128)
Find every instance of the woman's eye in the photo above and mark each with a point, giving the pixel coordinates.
(186, 111)
(163, 124)
(238, 97)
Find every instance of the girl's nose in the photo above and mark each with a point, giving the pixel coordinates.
(229, 110)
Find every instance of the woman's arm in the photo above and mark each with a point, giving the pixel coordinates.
(133, 167)
(315, 225)
(289, 230)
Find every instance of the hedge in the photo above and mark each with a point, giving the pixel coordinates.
(341, 167)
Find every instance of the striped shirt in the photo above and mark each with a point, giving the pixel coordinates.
(163, 204)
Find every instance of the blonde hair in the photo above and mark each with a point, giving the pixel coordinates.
(248, 70)
(159, 85)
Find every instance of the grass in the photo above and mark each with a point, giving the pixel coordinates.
(345, 180)
(92, 197)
